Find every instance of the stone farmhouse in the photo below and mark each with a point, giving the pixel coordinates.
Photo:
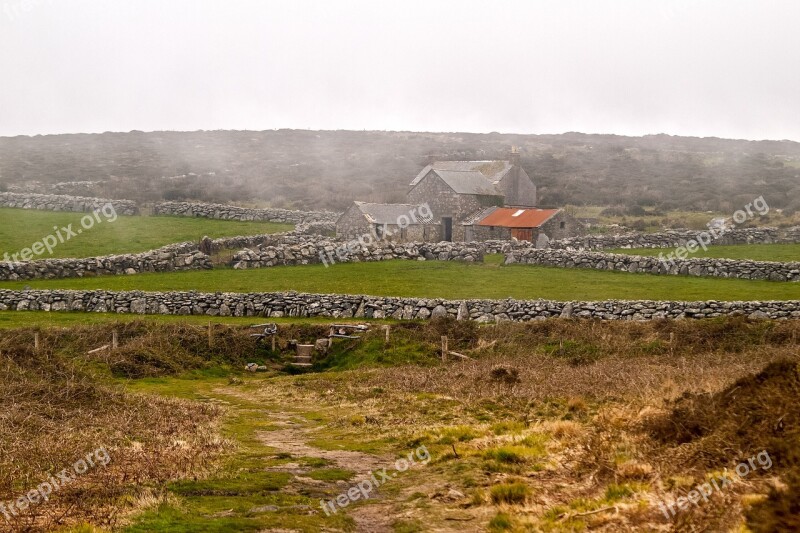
(462, 201)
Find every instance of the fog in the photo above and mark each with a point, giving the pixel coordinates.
(705, 68)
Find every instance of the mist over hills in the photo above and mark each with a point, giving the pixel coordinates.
(328, 169)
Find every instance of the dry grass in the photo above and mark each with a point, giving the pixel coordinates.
(557, 425)
(569, 409)
(54, 409)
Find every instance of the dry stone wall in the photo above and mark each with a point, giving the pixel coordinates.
(232, 212)
(60, 202)
(291, 304)
(673, 239)
(182, 256)
(313, 250)
(722, 268)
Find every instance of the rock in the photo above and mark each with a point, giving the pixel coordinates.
(463, 311)
(439, 311)
(265, 509)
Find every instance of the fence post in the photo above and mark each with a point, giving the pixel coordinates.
(114, 340)
(444, 348)
(36, 344)
(210, 338)
(388, 331)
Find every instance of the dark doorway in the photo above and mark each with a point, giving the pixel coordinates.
(447, 229)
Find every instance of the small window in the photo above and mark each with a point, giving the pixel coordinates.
(561, 225)
(404, 233)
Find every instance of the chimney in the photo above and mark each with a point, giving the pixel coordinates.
(512, 187)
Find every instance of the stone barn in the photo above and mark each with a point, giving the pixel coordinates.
(391, 222)
(457, 190)
(523, 224)
(459, 195)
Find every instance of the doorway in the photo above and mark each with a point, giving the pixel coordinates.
(522, 234)
(447, 229)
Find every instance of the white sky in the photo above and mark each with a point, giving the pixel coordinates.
(727, 68)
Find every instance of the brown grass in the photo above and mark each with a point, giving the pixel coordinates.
(54, 409)
(603, 415)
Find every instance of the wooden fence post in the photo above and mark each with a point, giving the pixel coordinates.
(210, 338)
(388, 331)
(36, 344)
(444, 348)
(114, 340)
(273, 344)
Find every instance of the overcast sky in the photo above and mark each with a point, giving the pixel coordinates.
(727, 68)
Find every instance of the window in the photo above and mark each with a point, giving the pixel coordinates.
(561, 225)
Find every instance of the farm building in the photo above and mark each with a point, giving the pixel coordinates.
(523, 224)
(459, 195)
(391, 222)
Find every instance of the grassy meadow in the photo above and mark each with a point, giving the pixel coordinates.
(20, 228)
(438, 279)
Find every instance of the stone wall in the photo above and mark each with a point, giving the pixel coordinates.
(182, 256)
(319, 250)
(673, 239)
(232, 212)
(722, 268)
(292, 304)
(60, 202)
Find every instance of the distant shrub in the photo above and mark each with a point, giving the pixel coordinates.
(511, 493)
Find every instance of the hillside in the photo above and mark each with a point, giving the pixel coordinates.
(327, 169)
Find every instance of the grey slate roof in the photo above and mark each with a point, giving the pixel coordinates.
(492, 170)
(389, 213)
(468, 182)
(478, 215)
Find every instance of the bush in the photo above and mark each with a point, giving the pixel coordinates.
(511, 493)
(501, 522)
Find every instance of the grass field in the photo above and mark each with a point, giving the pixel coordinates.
(20, 228)
(697, 220)
(439, 279)
(756, 252)
(44, 319)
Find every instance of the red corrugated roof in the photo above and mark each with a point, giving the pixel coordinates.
(512, 217)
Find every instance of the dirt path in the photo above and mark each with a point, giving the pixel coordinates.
(291, 434)
(293, 439)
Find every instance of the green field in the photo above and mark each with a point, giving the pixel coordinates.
(439, 279)
(756, 252)
(20, 228)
